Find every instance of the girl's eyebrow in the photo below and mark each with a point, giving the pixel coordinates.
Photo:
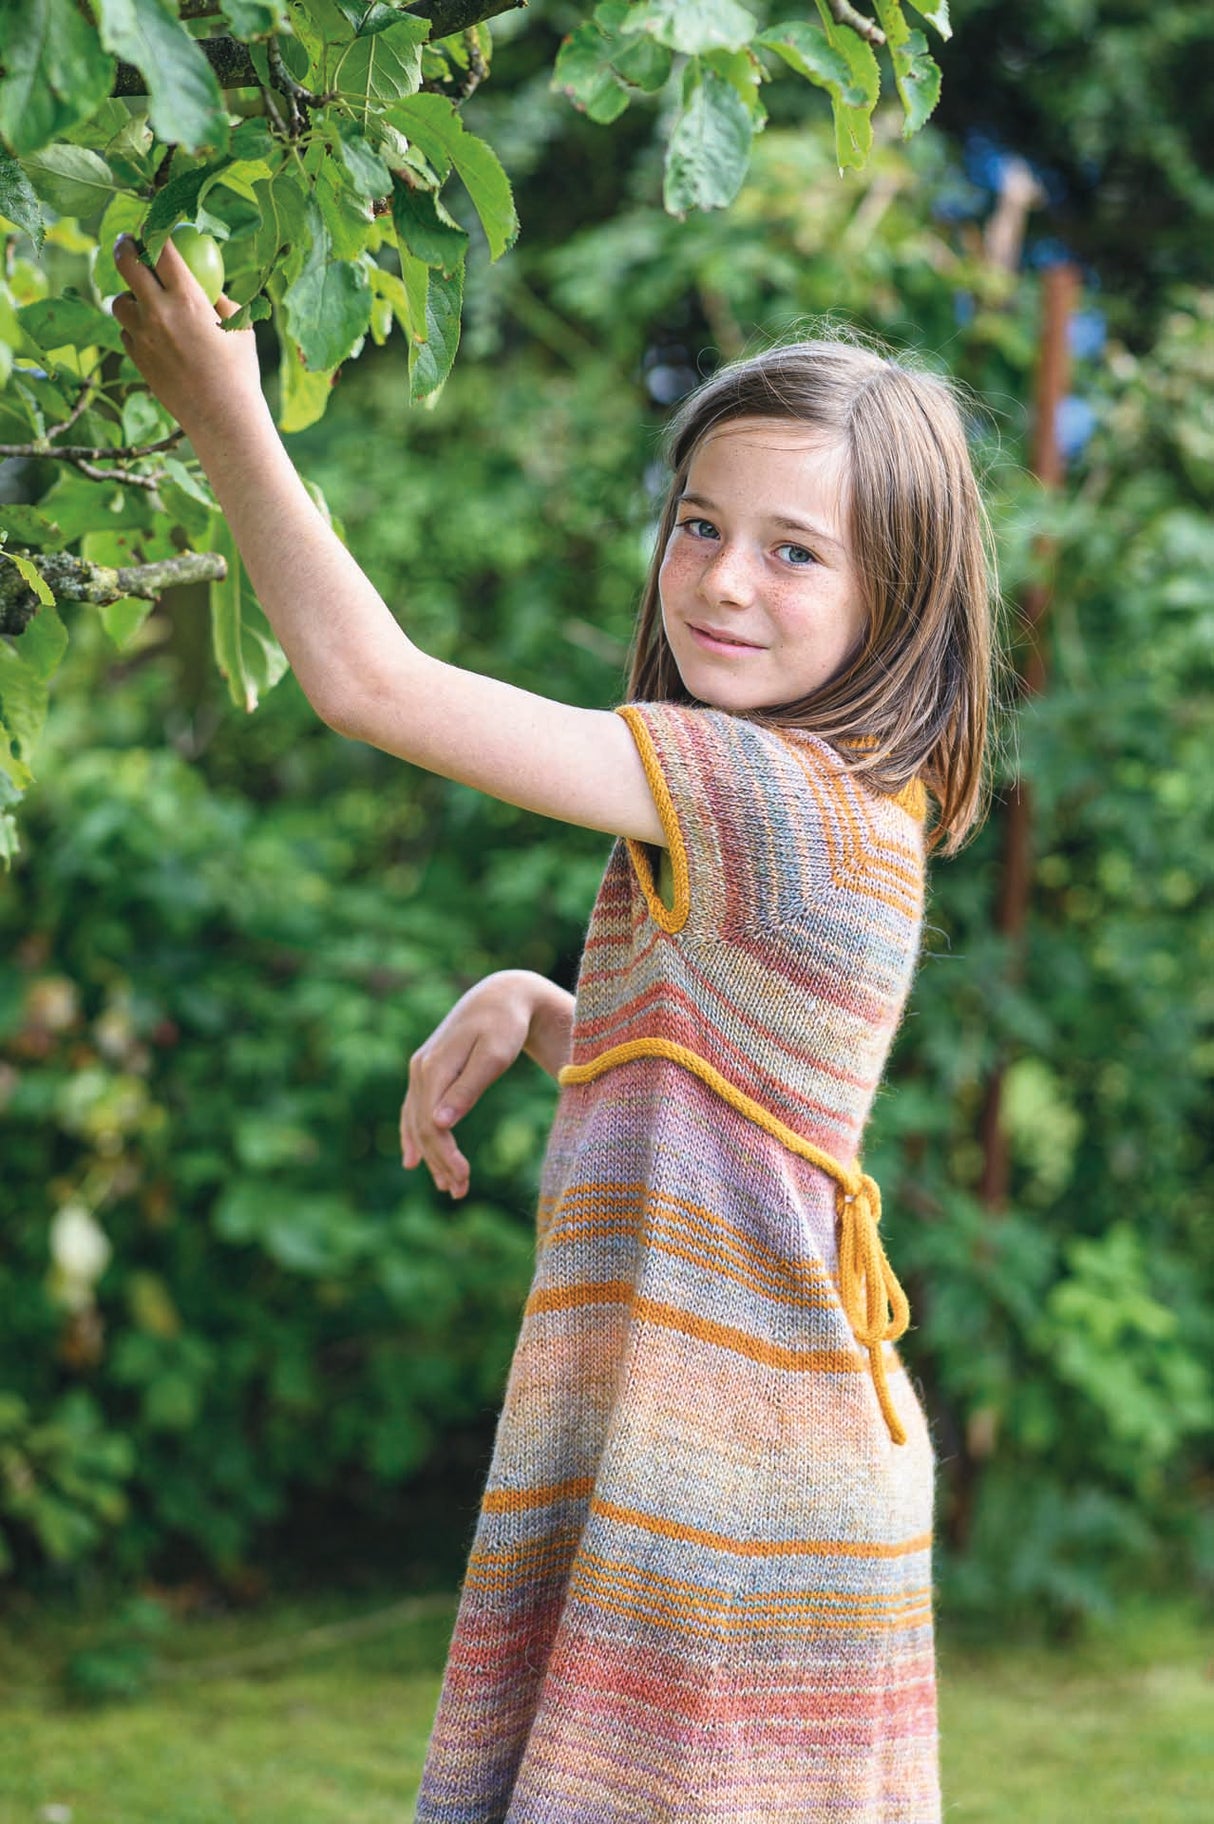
(777, 519)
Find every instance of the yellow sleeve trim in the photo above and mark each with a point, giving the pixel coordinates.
(669, 918)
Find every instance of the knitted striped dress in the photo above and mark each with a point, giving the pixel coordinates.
(700, 1585)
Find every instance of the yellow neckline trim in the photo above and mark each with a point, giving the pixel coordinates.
(873, 1300)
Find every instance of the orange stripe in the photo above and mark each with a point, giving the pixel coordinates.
(741, 1624)
(628, 1577)
(704, 1329)
(722, 1260)
(545, 1544)
(571, 1298)
(714, 1222)
(726, 1336)
(519, 1500)
(850, 855)
(759, 1548)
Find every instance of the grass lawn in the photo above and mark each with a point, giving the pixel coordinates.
(306, 1716)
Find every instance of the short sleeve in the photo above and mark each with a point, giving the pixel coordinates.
(722, 786)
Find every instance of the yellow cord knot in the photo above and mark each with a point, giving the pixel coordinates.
(875, 1304)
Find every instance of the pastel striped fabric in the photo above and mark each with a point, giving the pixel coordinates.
(700, 1586)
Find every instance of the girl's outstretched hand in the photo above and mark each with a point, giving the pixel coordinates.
(200, 372)
(479, 1039)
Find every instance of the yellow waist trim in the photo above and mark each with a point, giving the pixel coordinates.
(873, 1301)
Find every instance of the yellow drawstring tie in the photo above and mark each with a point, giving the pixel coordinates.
(876, 1306)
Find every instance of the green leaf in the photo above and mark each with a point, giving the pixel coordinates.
(282, 242)
(31, 575)
(374, 71)
(30, 526)
(366, 169)
(709, 147)
(853, 117)
(430, 361)
(123, 619)
(246, 652)
(328, 307)
(408, 310)
(743, 71)
(806, 49)
(302, 396)
(23, 700)
(56, 72)
(585, 71)
(346, 214)
(708, 25)
(123, 216)
(72, 179)
(258, 310)
(185, 105)
(255, 18)
(368, 16)
(916, 74)
(936, 16)
(432, 123)
(18, 200)
(424, 227)
(44, 641)
(178, 198)
(68, 322)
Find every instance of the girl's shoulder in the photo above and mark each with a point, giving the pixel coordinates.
(823, 760)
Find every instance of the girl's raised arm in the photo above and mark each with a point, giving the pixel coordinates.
(361, 673)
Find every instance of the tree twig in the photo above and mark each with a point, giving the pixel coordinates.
(72, 579)
(90, 452)
(299, 99)
(86, 393)
(844, 13)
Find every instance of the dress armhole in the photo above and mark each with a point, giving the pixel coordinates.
(668, 918)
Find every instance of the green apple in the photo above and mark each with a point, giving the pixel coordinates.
(201, 254)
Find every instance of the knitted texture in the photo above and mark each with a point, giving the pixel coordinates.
(700, 1586)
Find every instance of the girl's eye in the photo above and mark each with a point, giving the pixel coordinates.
(693, 525)
(798, 557)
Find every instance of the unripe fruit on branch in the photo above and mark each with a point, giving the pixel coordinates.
(201, 254)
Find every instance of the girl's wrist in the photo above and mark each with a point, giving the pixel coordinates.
(550, 1033)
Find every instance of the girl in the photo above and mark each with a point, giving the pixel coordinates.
(700, 1586)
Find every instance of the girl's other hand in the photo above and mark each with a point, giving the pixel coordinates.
(479, 1039)
(200, 372)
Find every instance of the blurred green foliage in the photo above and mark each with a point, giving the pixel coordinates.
(225, 936)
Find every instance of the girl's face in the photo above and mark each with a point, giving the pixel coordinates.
(760, 596)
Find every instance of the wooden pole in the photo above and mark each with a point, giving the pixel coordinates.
(1060, 292)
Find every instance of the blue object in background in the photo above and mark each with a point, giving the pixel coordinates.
(1087, 333)
(984, 160)
(1073, 426)
(1048, 250)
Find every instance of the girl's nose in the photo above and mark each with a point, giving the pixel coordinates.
(729, 576)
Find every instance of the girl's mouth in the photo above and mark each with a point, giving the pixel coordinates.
(714, 643)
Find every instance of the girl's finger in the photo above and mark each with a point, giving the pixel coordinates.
(134, 270)
(485, 1063)
(171, 268)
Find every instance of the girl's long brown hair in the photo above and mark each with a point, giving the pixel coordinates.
(915, 696)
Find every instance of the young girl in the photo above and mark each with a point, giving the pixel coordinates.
(700, 1586)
